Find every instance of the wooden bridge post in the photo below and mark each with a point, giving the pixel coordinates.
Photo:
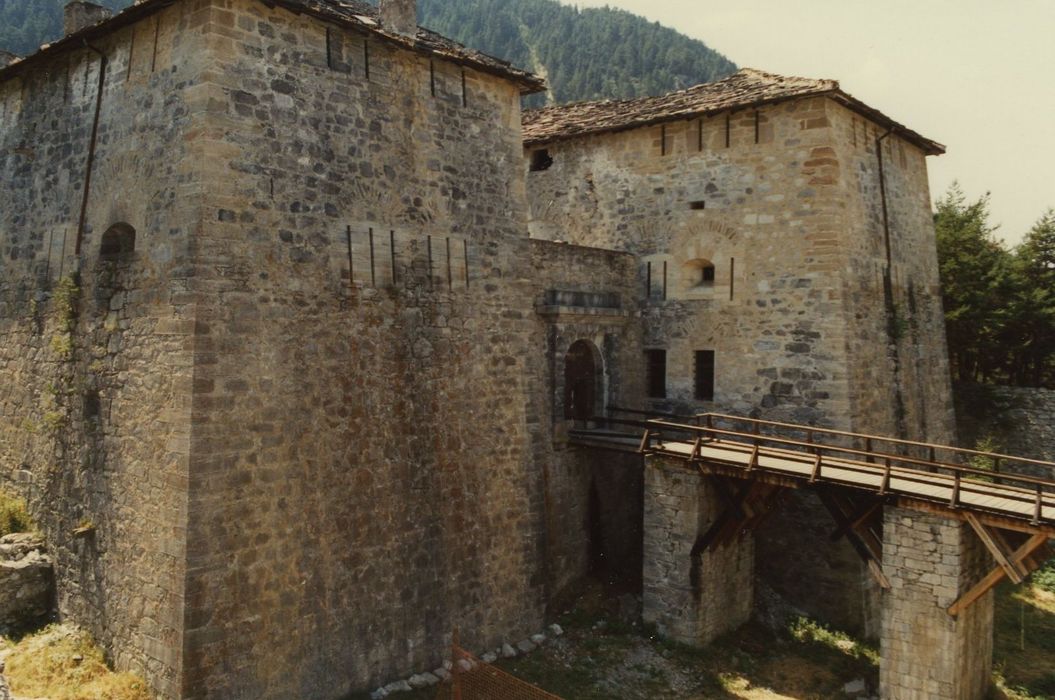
(926, 653)
(691, 593)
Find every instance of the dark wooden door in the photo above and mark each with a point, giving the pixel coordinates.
(580, 382)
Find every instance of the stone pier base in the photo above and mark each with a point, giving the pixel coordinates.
(691, 599)
(926, 654)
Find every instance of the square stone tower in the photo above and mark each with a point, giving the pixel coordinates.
(263, 306)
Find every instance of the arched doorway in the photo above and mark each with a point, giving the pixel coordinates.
(582, 381)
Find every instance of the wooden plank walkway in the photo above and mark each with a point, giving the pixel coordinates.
(824, 457)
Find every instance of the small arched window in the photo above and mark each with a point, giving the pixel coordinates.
(119, 242)
(698, 274)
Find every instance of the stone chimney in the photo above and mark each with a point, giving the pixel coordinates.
(399, 16)
(7, 58)
(79, 14)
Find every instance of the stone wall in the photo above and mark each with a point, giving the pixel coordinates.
(803, 326)
(593, 500)
(361, 466)
(95, 357)
(926, 653)
(1017, 421)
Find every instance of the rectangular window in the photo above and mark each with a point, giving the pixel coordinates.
(704, 375)
(656, 373)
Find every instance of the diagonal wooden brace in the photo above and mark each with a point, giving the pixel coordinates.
(857, 519)
(870, 555)
(996, 575)
(993, 543)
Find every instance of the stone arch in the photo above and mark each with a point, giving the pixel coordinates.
(583, 381)
(118, 243)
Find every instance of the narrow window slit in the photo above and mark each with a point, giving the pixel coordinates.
(465, 91)
(154, 54)
(429, 245)
(392, 253)
(131, 53)
(351, 260)
(663, 140)
(758, 123)
(366, 57)
(732, 276)
(450, 277)
(432, 77)
(373, 274)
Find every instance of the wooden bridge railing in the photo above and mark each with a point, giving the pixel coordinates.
(819, 445)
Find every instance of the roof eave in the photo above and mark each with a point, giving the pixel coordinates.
(132, 14)
(528, 83)
(930, 147)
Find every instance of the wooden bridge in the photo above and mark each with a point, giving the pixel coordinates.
(1009, 502)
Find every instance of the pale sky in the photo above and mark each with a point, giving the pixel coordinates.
(975, 75)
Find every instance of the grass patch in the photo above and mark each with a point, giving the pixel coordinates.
(1024, 642)
(61, 662)
(14, 517)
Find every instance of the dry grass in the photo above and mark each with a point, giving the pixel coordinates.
(62, 662)
(14, 517)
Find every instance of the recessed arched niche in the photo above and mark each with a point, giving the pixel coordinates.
(118, 243)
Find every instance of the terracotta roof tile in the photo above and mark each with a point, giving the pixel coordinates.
(746, 88)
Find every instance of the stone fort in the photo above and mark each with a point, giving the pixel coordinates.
(299, 314)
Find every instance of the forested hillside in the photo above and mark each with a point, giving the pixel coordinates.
(26, 24)
(584, 54)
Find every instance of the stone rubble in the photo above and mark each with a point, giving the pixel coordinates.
(443, 673)
(26, 580)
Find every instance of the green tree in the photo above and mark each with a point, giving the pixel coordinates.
(976, 286)
(1031, 314)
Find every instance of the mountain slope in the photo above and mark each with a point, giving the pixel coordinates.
(584, 54)
(26, 24)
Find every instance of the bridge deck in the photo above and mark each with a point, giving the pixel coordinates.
(831, 457)
(881, 470)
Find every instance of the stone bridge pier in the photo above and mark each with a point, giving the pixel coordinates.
(925, 652)
(929, 561)
(691, 597)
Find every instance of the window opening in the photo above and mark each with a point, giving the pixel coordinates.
(540, 160)
(704, 375)
(698, 205)
(656, 373)
(118, 244)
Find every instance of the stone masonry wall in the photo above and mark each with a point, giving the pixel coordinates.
(925, 653)
(361, 462)
(899, 375)
(797, 315)
(593, 500)
(691, 600)
(1017, 421)
(771, 315)
(95, 371)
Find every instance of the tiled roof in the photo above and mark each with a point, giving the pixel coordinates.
(349, 13)
(745, 89)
